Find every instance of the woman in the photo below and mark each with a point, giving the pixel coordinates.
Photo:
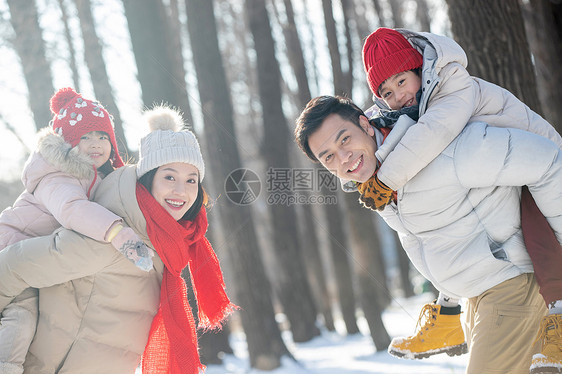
(99, 312)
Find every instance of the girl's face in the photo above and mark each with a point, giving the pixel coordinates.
(175, 187)
(97, 146)
(399, 91)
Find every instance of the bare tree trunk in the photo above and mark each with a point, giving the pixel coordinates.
(347, 16)
(492, 34)
(177, 57)
(71, 51)
(370, 270)
(335, 57)
(295, 294)
(422, 13)
(149, 27)
(311, 47)
(253, 291)
(316, 275)
(404, 266)
(369, 267)
(363, 29)
(30, 48)
(379, 13)
(309, 236)
(339, 254)
(296, 58)
(342, 268)
(397, 13)
(100, 80)
(543, 22)
(360, 15)
(212, 345)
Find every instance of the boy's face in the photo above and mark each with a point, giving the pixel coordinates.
(345, 149)
(400, 90)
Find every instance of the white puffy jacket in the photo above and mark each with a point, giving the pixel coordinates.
(451, 98)
(458, 218)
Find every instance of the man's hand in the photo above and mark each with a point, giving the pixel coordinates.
(375, 194)
(131, 246)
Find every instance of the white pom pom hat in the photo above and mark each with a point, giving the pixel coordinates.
(167, 143)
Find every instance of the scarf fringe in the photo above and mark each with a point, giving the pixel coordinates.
(205, 324)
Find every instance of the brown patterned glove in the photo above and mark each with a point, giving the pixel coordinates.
(375, 194)
(132, 247)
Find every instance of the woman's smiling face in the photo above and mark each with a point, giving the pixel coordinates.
(175, 187)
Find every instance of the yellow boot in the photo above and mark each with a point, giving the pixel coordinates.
(550, 334)
(440, 333)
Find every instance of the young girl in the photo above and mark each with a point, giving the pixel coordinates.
(98, 313)
(427, 72)
(59, 178)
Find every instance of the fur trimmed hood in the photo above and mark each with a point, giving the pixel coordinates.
(53, 154)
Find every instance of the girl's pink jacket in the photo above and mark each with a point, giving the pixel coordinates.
(58, 181)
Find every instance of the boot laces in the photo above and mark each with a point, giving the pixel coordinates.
(551, 322)
(429, 314)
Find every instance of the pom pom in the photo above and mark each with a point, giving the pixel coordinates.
(163, 118)
(61, 98)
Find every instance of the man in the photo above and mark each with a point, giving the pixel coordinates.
(458, 219)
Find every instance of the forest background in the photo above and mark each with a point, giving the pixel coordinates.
(299, 255)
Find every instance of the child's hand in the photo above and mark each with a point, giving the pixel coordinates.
(131, 246)
(375, 194)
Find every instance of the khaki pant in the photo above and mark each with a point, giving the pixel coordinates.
(502, 324)
(17, 328)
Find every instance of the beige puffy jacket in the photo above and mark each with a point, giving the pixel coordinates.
(96, 307)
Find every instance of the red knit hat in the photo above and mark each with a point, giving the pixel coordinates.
(387, 52)
(75, 116)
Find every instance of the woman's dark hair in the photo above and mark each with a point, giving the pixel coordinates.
(316, 111)
(106, 168)
(201, 200)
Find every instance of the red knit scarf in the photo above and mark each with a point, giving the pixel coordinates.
(172, 342)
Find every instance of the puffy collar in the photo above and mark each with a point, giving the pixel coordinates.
(393, 138)
(62, 156)
(54, 155)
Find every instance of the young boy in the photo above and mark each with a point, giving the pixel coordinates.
(458, 218)
(428, 72)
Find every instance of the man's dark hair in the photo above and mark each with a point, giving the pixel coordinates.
(316, 111)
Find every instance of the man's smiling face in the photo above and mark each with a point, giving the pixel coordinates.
(345, 149)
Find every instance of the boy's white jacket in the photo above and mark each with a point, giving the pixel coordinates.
(451, 98)
(459, 219)
(57, 179)
(95, 306)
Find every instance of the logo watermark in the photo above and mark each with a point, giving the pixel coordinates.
(284, 186)
(288, 199)
(292, 186)
(242, 186)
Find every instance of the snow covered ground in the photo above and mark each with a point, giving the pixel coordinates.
(332, 353)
